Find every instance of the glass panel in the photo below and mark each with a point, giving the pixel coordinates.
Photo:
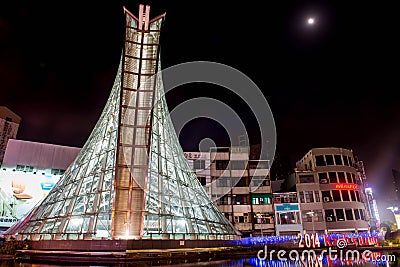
(329, 160)
(339, 214)
(320, 160)
(105, 183)
(338, 160)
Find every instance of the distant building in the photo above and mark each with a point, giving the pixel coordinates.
(29, 171)
(239, 186)
(396, 183)
(331, 192)
(372, 208)
(9, 124)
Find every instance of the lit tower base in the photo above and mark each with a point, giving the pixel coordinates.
(131, 180)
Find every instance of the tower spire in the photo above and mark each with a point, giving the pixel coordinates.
(144, 15)
(130, 179)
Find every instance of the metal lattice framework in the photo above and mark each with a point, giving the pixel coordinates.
(131, 179)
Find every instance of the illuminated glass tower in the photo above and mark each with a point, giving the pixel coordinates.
(131, 179)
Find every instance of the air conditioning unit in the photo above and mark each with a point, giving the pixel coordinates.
(323, 181)
(327, 199)
(329, 219)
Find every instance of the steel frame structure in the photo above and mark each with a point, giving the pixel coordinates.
(131, 179)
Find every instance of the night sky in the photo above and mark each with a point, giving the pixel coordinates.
(332, 84)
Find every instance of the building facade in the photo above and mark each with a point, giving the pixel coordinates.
(331, 192)
(372, 208)
(29, 171)
(239, 186)
(9, 124)
(287, 214)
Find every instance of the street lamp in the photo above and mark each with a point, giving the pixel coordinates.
(311, 213)
(259, 216)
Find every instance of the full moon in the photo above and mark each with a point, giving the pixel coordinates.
(310, 21)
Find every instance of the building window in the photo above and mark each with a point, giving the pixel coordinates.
(26, 168)
(266, 182)
(258, 164)
(315, 215)
(326, 196)
(221, 164)
(293, 198)
(20, 168)
(301, 197)
(223, 182)
(317, 197)
(346, 160)
(323, 178)
(224, 200)
(350, 179)
(241, 218)
(357, 196)
(333, 178)
(336, 195)
(318, 216)
(291, 217)
(239, 182)
(329, 160)
(57, 171)
(362, 215)
(260, 181)
(259, 199)
(228, 215)
(356, 214)
(285, 198)
(338, 160)
(309, 195)
(353, 195)
(349, 214)
(263, 218)
(319, 160)
(203, 180)
(345, 195)
(350, 161)
(306, 178)
(329, 216)
(339, 214)
(199, 164)
(306, 216)
(238, 164)
(342, 178)
(240, 200)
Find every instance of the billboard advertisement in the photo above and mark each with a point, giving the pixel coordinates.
(20, 192)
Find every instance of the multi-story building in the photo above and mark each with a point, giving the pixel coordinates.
(331, 192)
(29, 171)
(239, 186)
(372, 208)
(9, 123)
(287, 214)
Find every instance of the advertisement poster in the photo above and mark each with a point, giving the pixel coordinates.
(20, 192)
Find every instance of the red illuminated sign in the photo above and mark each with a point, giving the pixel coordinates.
(346, 186)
